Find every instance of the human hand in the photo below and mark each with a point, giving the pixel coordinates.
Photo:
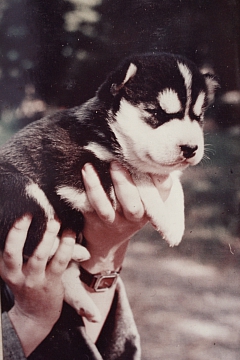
(36, 284)
(108, 230)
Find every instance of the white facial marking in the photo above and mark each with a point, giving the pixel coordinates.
(184, 70)
(100, 151)
(75, 198)
(156, 150)
(34, 191)
(130, 73)
(197, 108)
(169, 101)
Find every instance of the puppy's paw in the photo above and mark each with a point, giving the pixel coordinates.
(171, 232)
(76, 296)
(174, 235)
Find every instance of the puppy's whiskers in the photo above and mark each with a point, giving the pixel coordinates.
(209, 151)
(209, 148)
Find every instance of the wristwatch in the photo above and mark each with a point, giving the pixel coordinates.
(101, 281)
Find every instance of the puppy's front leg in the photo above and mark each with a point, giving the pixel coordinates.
(167, 217)
(174, 212)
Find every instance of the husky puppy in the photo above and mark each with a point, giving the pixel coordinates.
(148, 115)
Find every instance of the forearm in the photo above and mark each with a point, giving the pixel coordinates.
(103, 259)
(29, 332)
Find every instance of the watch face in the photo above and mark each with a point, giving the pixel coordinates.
(105, 282)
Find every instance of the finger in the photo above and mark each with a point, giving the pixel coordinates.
(80, 253)
(63, 255)
(13, 251)
(96, 194)
(37, 262)
(126, 192)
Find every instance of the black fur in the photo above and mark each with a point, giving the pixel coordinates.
(50, 153)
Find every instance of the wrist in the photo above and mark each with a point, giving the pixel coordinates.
(101, 281)
(104, 258)
(18, 317)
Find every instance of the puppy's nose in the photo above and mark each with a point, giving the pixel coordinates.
(188, 151)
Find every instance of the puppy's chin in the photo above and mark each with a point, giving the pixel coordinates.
(169, 168)
(196, 159)
(178, 166)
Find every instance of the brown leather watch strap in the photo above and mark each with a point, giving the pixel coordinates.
(100, 281)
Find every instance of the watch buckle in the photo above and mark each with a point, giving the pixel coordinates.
(105, 281)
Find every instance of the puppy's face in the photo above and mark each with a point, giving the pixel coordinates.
(157, 113)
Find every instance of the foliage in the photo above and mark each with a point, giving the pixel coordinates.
(64, 48)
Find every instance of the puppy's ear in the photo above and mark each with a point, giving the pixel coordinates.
(116, 81)
(131, 71)
(212, 85)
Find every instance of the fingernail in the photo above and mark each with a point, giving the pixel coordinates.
(80, 253)
(83, 258)
(87, 167)
(25, 218)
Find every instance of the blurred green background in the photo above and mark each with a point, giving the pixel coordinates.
(54, 54)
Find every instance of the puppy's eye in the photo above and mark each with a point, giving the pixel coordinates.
(153, 112)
